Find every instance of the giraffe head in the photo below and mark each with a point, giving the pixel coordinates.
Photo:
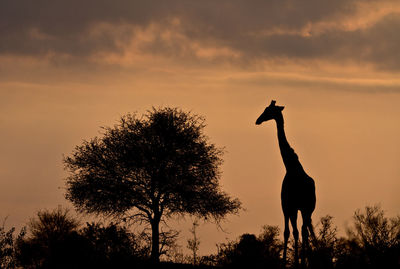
(271, 112)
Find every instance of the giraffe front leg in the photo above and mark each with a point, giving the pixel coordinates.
(296, 246)
(286, 234)
(293, 220)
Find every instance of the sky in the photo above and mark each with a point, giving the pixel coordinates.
(69, 67)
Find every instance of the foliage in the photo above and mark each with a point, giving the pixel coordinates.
(8, 246)
(53, 241)
(149, 168)
(374, 242)
(194, 243)
(251, 251)
(113, 246)
(325, 246)
(374, 230)
(52, 225)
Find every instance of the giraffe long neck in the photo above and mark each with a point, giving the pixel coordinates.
(289, 157)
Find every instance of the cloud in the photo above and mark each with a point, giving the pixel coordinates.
(245, 32)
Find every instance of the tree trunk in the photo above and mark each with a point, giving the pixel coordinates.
(155, 240)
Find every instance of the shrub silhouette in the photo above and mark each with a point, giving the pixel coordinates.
(374, 241)
(113, 246)
(325, 246)
(251, 251)
(8, 246)
(53, 242)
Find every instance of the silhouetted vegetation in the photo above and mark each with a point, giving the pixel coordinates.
(56, 239)
(373, 242)
(52, 241)
(8, 246)
(113, 246)
(149, 168)
(194, 243)
(251, 251)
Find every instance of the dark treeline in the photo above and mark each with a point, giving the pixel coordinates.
(55, 239)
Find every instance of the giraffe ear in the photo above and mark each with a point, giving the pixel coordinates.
(280, 107)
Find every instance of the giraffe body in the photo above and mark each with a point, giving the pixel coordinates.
(298, 193)
(298, 189)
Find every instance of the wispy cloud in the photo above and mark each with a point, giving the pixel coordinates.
(243, 32)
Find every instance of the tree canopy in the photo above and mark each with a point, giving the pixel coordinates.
(148, 168)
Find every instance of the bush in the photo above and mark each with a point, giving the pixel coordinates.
(374, 242)
(53, 242)
(113, 245)
(251, 251)
(324, 247)
(8, 242)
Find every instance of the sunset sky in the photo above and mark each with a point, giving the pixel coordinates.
(69, 67)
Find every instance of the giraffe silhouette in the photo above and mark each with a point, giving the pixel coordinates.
(298, 189)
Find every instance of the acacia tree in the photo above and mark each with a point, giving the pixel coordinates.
(150, 168)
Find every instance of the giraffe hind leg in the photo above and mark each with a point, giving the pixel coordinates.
(306, 230)
(304, 248)
(311, 230)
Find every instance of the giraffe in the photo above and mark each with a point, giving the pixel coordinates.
(298, 189)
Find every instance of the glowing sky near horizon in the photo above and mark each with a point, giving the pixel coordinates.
(69, 67)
